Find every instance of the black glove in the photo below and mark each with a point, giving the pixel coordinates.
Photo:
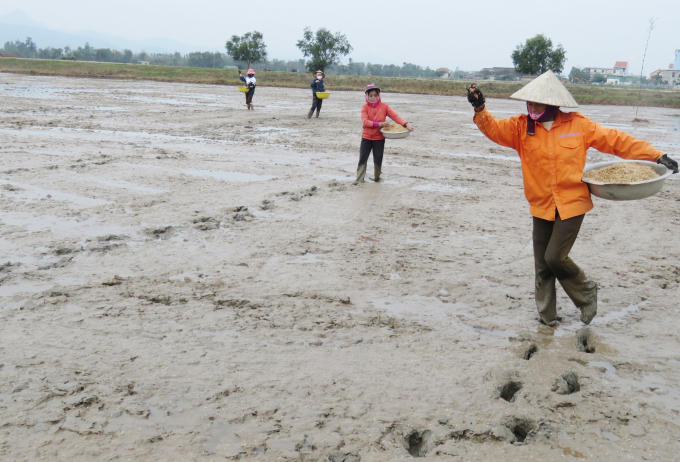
(475, 96)
(669, 163)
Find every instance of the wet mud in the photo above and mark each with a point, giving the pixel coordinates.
(183, 279)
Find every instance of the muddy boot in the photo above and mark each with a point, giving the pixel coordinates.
(376, 175)
(546, 300)
(583, 292)
(317, 113)
(309, 114)
(361, 173)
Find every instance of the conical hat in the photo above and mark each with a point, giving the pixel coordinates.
(546, 89)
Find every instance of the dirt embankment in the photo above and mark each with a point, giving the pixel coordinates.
(620, 96)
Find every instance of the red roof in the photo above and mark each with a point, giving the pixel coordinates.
(621, 64)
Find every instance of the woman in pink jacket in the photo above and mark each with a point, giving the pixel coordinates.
(373, 115)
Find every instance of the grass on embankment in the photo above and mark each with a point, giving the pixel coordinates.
(623, 96)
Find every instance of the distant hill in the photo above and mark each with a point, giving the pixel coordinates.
(17, 25)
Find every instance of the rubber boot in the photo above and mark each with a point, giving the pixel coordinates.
(583, 292)
(361, 173)
(376, 175)
(309, 114)
(317, 113)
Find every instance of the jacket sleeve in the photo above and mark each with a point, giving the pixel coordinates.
(367, 123)
(394, 116)
(501, 132)
(620, 144)
(243, 79)
(314, 85)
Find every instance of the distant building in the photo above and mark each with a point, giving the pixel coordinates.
(145, 63)
(231, 67)
(8, 55)
(670, 76)
(620, 69)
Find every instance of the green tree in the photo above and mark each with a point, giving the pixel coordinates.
(580, 75)
(537, 56)
(324, 48)
(599, 78)
(249, 48)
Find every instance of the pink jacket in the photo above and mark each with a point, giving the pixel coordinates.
(371, 116)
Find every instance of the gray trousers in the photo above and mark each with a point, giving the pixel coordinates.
(553, 241)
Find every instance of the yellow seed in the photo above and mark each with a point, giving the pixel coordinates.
(624, 172)
(394, 128)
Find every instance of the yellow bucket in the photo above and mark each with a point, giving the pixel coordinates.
(243, 89)
(323, 94)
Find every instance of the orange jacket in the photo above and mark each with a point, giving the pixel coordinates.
(369, 115)
(553, 161)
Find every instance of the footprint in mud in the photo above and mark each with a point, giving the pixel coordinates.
(418, 443)
(583, 341)
(267, 205)
(521, 427)
(206, 223)
(112, 237)
(530, 351)
(161, 233)
(566, 384)
(508, 391)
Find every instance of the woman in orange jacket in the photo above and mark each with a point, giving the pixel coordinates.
(552, 146)
(373, 116)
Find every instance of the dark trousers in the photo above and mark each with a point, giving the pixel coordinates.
(316, 104)
(377, 146)
(249, 97)
(553, 241)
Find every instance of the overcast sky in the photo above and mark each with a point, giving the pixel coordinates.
(436, 33)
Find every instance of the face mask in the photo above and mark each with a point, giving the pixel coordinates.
(536, 116)
(372, 104)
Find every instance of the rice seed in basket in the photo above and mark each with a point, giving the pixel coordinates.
(625, 172)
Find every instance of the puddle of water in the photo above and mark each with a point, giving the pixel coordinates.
(228, 176)
(40, 92)
(62, 226)
(226, 336)
(127, 185)
(610, 370)
(14, 305)
(309, 258)
(614, 315)
(486, 236)
(74, 309)
(437, 187)
(30, 192)
(7, 291)
(335, 177)
(417, 306)
(497, 333)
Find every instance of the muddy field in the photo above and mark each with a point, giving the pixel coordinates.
(182, 279)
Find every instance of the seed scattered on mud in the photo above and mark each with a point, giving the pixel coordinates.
(624, 172)
(583, 341)
(530, 351)
(566, 384)
(508, 391)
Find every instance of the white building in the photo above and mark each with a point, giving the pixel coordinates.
(620, 69)
(671, 76)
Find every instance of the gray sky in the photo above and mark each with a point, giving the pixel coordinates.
(437, 33)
